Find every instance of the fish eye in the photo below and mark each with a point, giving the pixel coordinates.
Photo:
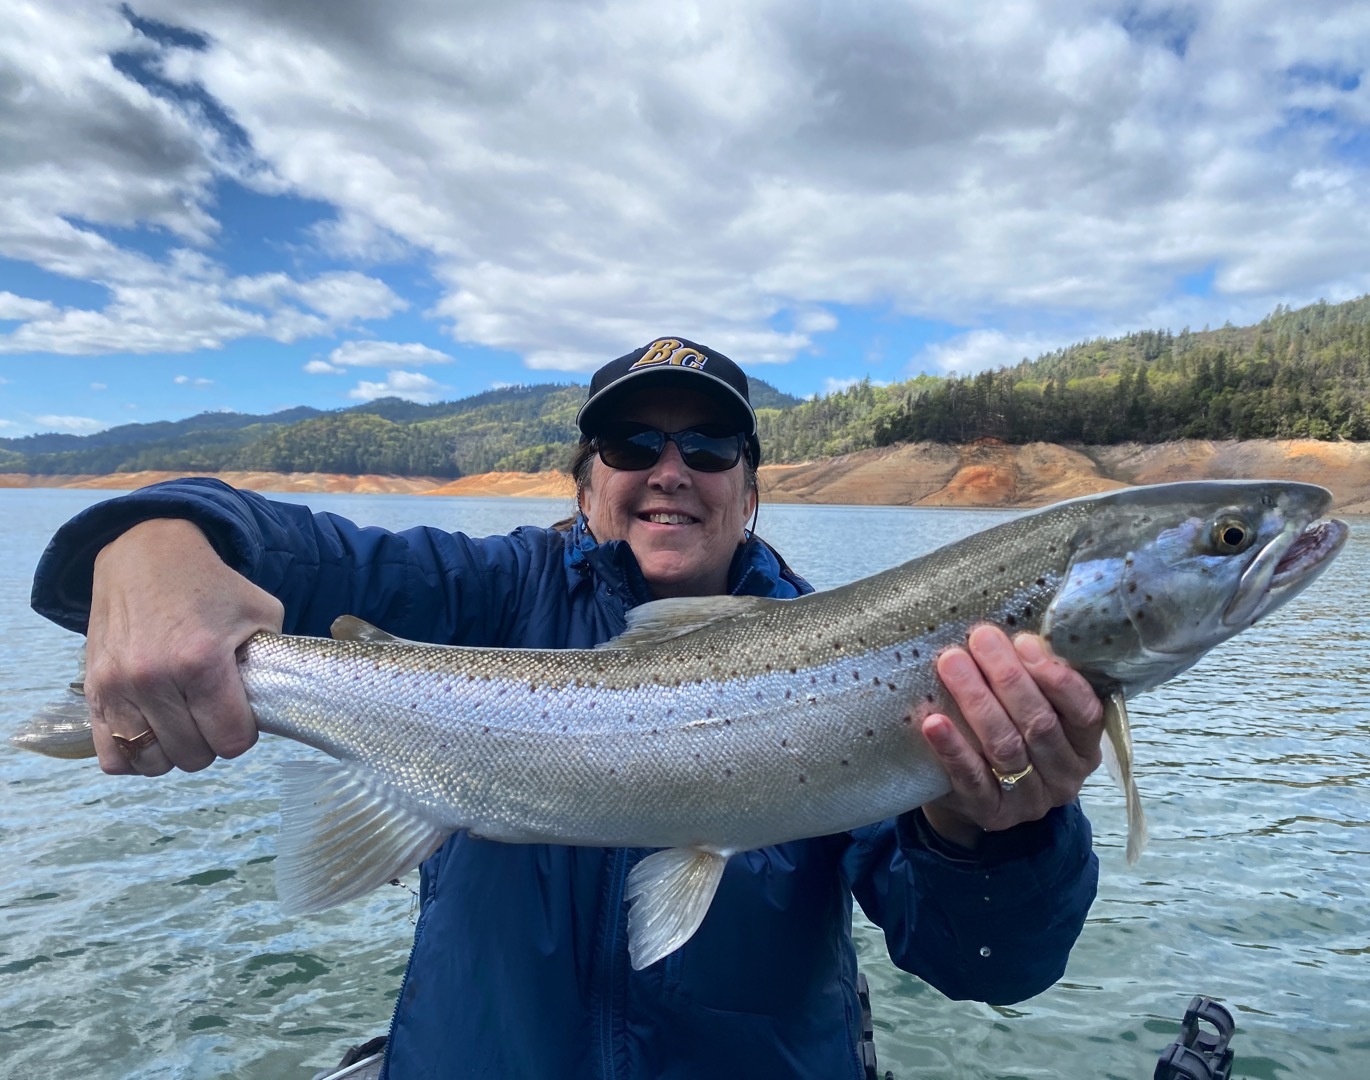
(1232, 535)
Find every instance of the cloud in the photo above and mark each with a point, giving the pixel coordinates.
(384, 354)
(837, 386)
(573, 189)
(979, 350)
(69, 425)
(21, 307)
(187, 380)
(411, 386)
(99, 386)
(322, 367)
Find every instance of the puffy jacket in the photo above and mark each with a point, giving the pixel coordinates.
(520, 963)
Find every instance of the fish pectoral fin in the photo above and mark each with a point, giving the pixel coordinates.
(351, 628)
(1118, 760)
(670, 893)
(343, 833)
(662, 620)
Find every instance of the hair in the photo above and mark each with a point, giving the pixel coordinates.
(583, 460)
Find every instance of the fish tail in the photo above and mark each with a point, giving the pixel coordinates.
(59, 729)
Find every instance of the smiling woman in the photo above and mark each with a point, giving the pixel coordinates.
(178, 576)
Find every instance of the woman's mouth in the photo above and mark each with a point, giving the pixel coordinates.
(668, 519)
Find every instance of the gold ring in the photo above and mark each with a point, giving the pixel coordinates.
(1009, 781)
(136, 745)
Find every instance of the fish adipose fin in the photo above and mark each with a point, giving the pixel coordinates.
(351, 628)
(670, 893)
(342, 835)
(662, 620)
(1118, 760)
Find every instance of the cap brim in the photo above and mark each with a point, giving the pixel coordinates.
(594, 411)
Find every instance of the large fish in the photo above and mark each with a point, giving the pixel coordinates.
(720, 724)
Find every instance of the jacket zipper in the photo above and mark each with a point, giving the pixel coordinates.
(609, 960)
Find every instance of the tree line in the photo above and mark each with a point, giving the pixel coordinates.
(1297, 373)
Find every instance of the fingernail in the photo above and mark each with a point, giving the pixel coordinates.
(1029, 647)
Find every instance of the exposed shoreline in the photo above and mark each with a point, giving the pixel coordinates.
(982, 474)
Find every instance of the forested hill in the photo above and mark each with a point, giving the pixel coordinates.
(1300, 373)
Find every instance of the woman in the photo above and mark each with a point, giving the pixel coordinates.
(520, 965)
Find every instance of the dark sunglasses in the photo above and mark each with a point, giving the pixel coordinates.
(633, 447)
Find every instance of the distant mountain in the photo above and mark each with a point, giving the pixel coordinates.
(1296, 373)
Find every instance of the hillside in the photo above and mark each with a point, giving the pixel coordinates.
(987, 473)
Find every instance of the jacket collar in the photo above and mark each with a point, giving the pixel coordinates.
(757, 569)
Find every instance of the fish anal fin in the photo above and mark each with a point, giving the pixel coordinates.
(1118, 759)
(663, 620)
(670, 893)
(343, 833)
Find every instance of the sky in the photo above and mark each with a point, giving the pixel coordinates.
(256, 204)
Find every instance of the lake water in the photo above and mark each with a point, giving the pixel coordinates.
(139, 933)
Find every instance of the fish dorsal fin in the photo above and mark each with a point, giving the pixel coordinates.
(662, 620)
(1118, 761)
(351, 628)
(669, 893)
(344, 833)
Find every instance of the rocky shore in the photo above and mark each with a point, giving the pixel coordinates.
(985, 473)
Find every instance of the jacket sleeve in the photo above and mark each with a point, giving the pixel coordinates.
(995, 927)
(422, 583)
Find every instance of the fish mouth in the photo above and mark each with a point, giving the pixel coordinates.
(1310, 552)
(1286, 567)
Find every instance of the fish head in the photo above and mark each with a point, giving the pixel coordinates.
(1160, 575)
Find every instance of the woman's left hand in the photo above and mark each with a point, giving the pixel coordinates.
(1028, 711)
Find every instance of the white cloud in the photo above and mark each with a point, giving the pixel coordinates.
(99, 386)
(322, 367)
(1070, 160)
(69, 425)
(409, 385)
(980, 349)
(21, 307)
(187, 380)
(385, 354)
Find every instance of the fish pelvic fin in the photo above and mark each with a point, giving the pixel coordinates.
(343, 833)
(60, 729)
(670, 893)
(663, 620)
(1118, 759)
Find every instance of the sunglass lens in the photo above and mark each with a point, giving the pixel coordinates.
(709, 453)
(631, 449)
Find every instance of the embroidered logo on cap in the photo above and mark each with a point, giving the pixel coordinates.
(673, 353)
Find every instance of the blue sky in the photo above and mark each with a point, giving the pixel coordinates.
(253, 206)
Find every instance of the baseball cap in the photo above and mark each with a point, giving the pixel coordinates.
(678, 364)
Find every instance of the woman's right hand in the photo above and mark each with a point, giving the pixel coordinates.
(166, 618)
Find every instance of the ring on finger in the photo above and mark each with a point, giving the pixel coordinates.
(135, 745)
(1009, 781)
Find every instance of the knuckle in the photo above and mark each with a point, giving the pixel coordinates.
(1038, 722)
(1006, 747)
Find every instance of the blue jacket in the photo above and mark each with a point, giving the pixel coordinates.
(520, 962)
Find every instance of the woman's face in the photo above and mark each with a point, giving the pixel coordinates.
(682, 525)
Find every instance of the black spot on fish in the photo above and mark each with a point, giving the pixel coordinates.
(834, 677)
(696, 757)
(908, 718)
(727, 722)
(876, 680)
(801, 780)
(984, 592)
(768, 667)
(784, 742)
(794, 671)
(1010, 620)
(1141, 614)
(485, 730)
(1108, 640)
(932, 628)
(892, 686)
(837, 644)
(613, 772)
(915, 654)
(1131, 586)
(870, 733)
(856, 675)
(1148, 598)
(813, 680)
(631, 718)
(1074, 637)
(758, 695)
(654, 731)
(727, 772)
(1003, 569)
(953, 609)
(931, 699)
(1027, 612)
(1041, 581)
(844, 761)
(544, 715)
(788, 694)
(414, 705)
(565, 727)
(709, 713)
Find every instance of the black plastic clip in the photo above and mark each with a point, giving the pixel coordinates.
(1197, 1055)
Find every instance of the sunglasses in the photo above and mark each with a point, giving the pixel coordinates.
(632, 447)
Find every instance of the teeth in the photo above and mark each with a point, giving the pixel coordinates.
(670, 519)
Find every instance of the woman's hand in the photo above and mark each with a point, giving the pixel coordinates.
(166, 617)
(1025, 709)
